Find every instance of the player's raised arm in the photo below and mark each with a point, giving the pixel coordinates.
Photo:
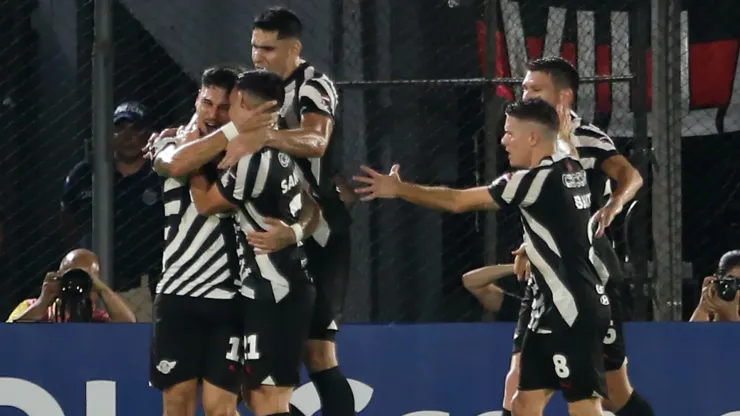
(435, 197)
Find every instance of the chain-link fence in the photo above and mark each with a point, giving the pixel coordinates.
(422, 84)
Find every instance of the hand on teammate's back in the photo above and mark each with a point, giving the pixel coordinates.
(378, 185)
(604, 217)
(521, 263)
(276, 237)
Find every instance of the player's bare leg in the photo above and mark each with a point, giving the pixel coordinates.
(217, 401)
(587, 407)
(334, 390)
(181, 399)
(530, 402)
(268, 400)
(512, 381)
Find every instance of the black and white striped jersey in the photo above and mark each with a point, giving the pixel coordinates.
(594, 146)
(309, 91)
(266, 184)
(200, 252)
(554, 202)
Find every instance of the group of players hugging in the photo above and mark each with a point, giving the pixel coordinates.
(256, 257)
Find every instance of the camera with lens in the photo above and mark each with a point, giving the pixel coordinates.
(727, 287)
(75, 285)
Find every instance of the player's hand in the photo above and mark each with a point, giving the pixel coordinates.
(521, 263)
(378, 185)
(276, 237)
(51, 288)
(148, 150)
(189, 133)
(244, 144)
(566, 125)
(604, 217)
(246, 119)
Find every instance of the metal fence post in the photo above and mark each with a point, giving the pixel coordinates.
(102, 98)
(668, 264)
(492, 115)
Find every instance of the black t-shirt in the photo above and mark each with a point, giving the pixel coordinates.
(138, 220)
(554, 202)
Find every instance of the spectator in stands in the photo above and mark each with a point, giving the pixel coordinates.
(139, 211)
(77, 267)
(720, 297)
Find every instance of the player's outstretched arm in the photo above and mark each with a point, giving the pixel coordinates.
(442, 198)
(207, 197)
(479, 282)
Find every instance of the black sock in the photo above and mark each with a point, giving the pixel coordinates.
(335, 393)
(636, 406)
(506, 412)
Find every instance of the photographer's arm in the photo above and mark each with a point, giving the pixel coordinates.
(36, 312)
(117, 308)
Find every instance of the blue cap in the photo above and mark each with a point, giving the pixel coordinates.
(130, 111)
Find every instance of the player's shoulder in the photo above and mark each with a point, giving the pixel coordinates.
(589, 135)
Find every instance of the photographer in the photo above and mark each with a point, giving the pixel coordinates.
(70, 295)
(720, 297)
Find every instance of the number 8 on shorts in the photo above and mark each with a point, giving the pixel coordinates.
(561, 365)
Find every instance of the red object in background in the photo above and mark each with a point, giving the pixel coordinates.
(711, 69)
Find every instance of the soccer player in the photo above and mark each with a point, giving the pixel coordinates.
(279, 291)
(556, 81)
(197, 325)
(562, 346)
(306, 123)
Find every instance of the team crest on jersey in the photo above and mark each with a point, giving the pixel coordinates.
(165, 366)
(149, 196)
(284, 159)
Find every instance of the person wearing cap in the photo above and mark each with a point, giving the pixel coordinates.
(139, 211)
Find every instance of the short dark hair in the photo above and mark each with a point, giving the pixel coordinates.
(281, 20)
(729, 261)
(563, 74)
(219, 76)
(262, 84)
(537, 110)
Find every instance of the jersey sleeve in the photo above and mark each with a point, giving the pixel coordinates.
(594, 146)
(77, 181)
(518, 189)
(317, 96)
(244, 181)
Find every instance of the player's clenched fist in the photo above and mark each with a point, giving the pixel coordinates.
(378, 185)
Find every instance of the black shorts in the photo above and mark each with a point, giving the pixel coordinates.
(525, 312)
(329, 267)
(274, 337)
(568, 360)
(195, 338)
(615, 350)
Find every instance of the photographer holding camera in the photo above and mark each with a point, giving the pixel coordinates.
(720, 297)
(70, 295)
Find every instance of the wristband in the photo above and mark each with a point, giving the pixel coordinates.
(298, 231)
(230, 131)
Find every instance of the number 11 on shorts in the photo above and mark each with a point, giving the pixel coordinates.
(250, 348)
